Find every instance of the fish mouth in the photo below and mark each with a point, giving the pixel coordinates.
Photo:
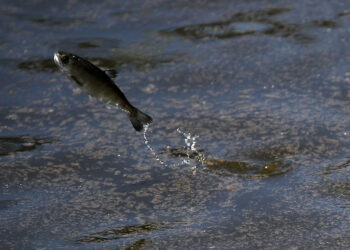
(57, 59)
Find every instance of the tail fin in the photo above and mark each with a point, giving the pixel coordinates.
(138, 119)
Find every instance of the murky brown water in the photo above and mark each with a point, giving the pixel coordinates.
(250, 139)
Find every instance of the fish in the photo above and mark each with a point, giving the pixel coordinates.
(98, 83)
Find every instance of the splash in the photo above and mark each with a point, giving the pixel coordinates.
(155, 154)
(191, 149)
(191, 143)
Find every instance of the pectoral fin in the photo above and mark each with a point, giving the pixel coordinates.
(77, 81)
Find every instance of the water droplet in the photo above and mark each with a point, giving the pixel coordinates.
(191, 148)
(150, 148)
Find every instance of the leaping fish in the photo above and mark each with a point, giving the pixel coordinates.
(98, 83)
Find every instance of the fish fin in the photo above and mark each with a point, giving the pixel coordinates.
(112, 73)
(138, 119)
(76, 80)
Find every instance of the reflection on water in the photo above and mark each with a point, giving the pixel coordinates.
(252, 22)
(9, 145)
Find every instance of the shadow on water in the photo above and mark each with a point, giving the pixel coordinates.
(251, 23)
(122, 232)
(10, 145)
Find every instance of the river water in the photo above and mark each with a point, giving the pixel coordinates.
(250, 143)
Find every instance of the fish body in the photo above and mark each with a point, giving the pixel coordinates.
(98, 83)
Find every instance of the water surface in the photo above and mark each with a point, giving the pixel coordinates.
(249, 148)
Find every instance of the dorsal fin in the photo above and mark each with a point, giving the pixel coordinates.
(112, 73)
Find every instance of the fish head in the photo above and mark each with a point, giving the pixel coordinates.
(66, 61)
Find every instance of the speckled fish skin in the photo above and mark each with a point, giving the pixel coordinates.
(96, 83)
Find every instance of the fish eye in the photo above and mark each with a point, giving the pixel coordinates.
(65, 59)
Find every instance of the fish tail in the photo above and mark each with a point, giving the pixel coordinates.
(138, 119)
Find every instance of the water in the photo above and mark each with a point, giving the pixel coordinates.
(249, 148)
(147, 143)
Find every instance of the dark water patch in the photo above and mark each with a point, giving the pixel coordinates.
(85, 44)
(283, 229)
(42, 19)
(48, 65)
(344, 14)
(263, 137)
(49, 21)
(6, 204)
(248, 169)
(139, 60)
(336, 168)
(124, 62)
(258, 165)
(182, 152)
(10, 63)
(325, 24)
(269, 153)
(335, 188)
(40, 65)
(10, 145)
(251, 23)
(122, 232)
(139, 244)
